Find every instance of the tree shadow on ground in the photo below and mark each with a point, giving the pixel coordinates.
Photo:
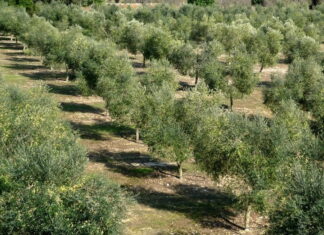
(46, 75)
(137, 65)
(184, 86)
(102, 130)
(209, 207)
(5, 37)
(16, 53)
(82, 108)
(283, 61)
(134, 164)
(265, 84)
(24, 67)
(64, 89)
(23, 59)
(10, 46)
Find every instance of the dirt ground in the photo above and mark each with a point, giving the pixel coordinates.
(162, 203)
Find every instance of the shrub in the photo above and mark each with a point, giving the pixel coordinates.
(95, 206)
(301, 206)
(35, 145)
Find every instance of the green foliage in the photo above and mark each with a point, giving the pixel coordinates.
(266, 46)
(201, 2)
(183, 58)
(303, 47)
(164, 133)
(300, 207)
(241, 72)
(257, 2)
(304, 84)
(132, 36)
(160, 72)
(94, 206)
(41, 162)
(35, 145)
(157, 43)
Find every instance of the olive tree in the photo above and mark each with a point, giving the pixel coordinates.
(303, 83)
(184, 58)
(301, 47)
(240, 79)
(132, 36)
(164, 133)
(266, 45)
(158, 74)
(298, 208)
(36, 146)
(157, 43)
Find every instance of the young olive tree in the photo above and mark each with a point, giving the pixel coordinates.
(303, 84)
(157, 43)
(158, 74)
(301, 47)
(266, 45)
(184, 58)
(113, 84)
(164, 133)
(76, 50)
(234, 78)
(132, 36)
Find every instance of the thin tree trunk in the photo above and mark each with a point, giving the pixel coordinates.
(67, 73)
(16, 40)
(180, 171)
(137, 135)
(196, 78)
(261, 69)
(247, 217)
(144, 60)
(231, 102)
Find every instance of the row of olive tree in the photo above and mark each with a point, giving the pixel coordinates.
(254, 149)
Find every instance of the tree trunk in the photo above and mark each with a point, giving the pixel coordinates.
(137, 135)
(231, 102)
(261, 69)
(196, 78)
(247, 217)
(144, 60)
(180, 171)
(67, 74)
(16, 40)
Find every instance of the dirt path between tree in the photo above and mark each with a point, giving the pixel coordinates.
(163, 204)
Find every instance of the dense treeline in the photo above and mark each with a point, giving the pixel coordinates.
(278, 157)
